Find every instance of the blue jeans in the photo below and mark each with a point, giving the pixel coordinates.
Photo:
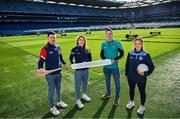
(54, 81)
(81, 76)
(116, 75)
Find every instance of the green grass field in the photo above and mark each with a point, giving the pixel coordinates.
(23, 95)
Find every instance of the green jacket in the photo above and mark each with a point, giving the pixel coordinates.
(112, 50)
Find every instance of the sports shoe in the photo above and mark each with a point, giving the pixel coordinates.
(79, 104)
(116, 101)
(141, 110)
(85, 97)
(54, 111)
(130, 105)
(62, 104)
(104, 97)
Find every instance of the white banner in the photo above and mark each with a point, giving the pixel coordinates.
(91, 64)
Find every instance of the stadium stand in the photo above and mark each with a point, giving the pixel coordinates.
(20, 16)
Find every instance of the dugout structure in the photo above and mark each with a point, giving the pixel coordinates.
(88, 31)
(62, 32)
(131, 35)
(155, 31)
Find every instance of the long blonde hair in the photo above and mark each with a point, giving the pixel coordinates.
(87, 49)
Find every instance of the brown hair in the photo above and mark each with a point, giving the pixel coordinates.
(139, 39)
(108, 29)
(87, 50)
(51, 33)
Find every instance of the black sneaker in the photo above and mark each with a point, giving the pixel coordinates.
(105, 97)
(116, 101)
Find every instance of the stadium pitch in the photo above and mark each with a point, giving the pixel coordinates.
(23, 95)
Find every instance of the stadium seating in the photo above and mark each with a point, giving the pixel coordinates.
(17, 16)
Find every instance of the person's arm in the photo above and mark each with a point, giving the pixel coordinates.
(127, 65)
(89, 56)
(72, 56)
(42, 58)
(62, 60)
(102, 53)
(120, 50)
(121, 54)
(150, 65)
(61, 57)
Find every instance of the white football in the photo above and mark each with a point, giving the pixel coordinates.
(142, 68)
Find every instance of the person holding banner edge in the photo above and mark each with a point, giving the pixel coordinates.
(81, 53)
(111, 49)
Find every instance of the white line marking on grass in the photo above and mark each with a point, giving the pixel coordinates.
(100, 74)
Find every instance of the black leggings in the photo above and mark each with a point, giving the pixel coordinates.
(141, 86)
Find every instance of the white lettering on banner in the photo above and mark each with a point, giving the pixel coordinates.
(91, 64)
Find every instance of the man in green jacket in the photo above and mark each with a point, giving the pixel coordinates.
(111, 49)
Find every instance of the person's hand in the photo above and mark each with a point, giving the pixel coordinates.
(126, 78)
(65, 66)
(141, 73)
(40, 73)
(112, 61)
(37, 72)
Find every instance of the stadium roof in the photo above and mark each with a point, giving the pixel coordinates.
(112, 4)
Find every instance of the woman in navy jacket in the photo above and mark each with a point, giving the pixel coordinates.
(81, 53)
(134, 58)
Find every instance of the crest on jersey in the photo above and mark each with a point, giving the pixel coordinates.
(141, 58)
(51, 52)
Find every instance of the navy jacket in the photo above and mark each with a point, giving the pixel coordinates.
(80, 55)
(51, 55)
(135, 58)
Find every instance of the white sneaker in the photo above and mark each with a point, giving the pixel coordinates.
(54, 111)
(141, 110)
(85, 97)
(130, 105)
(79, 104)
(62, 104)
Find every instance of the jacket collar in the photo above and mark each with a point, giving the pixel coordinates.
(50, 44)
(138, 51)
(109, 41)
